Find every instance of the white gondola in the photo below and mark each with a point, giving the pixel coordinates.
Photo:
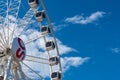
(50, 45)
(45, 30)
(56, 75)
(33, 3)
(54, 61)
(40, 16)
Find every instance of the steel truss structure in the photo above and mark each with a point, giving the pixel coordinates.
(10, 66)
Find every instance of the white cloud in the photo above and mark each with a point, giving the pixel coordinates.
(59, 27)
(64, 49)
(115, 50)
(12, 18)
(68, 62)
(37, 48)
(80, 19)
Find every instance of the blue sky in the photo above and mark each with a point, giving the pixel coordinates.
(87, 33)
(97, 39)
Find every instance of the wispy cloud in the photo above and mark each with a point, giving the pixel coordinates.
(58, 27)
(80, 19)
(68, 62)
(37, 48)
(116, 50)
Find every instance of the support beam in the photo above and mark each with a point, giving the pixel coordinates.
(37, 59)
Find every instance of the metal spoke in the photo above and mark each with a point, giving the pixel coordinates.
(9, 15)
(7, 71)
(5, 23)
(2, 40)
(3, 36)
(28, 17)
(16, 11)
(32, 70)
(37, 59)
(31, 40)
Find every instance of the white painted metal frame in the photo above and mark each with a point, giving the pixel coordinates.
(13, 68)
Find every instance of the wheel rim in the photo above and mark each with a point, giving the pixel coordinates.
(16, 20)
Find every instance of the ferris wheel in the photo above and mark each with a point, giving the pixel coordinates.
(27, 38)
